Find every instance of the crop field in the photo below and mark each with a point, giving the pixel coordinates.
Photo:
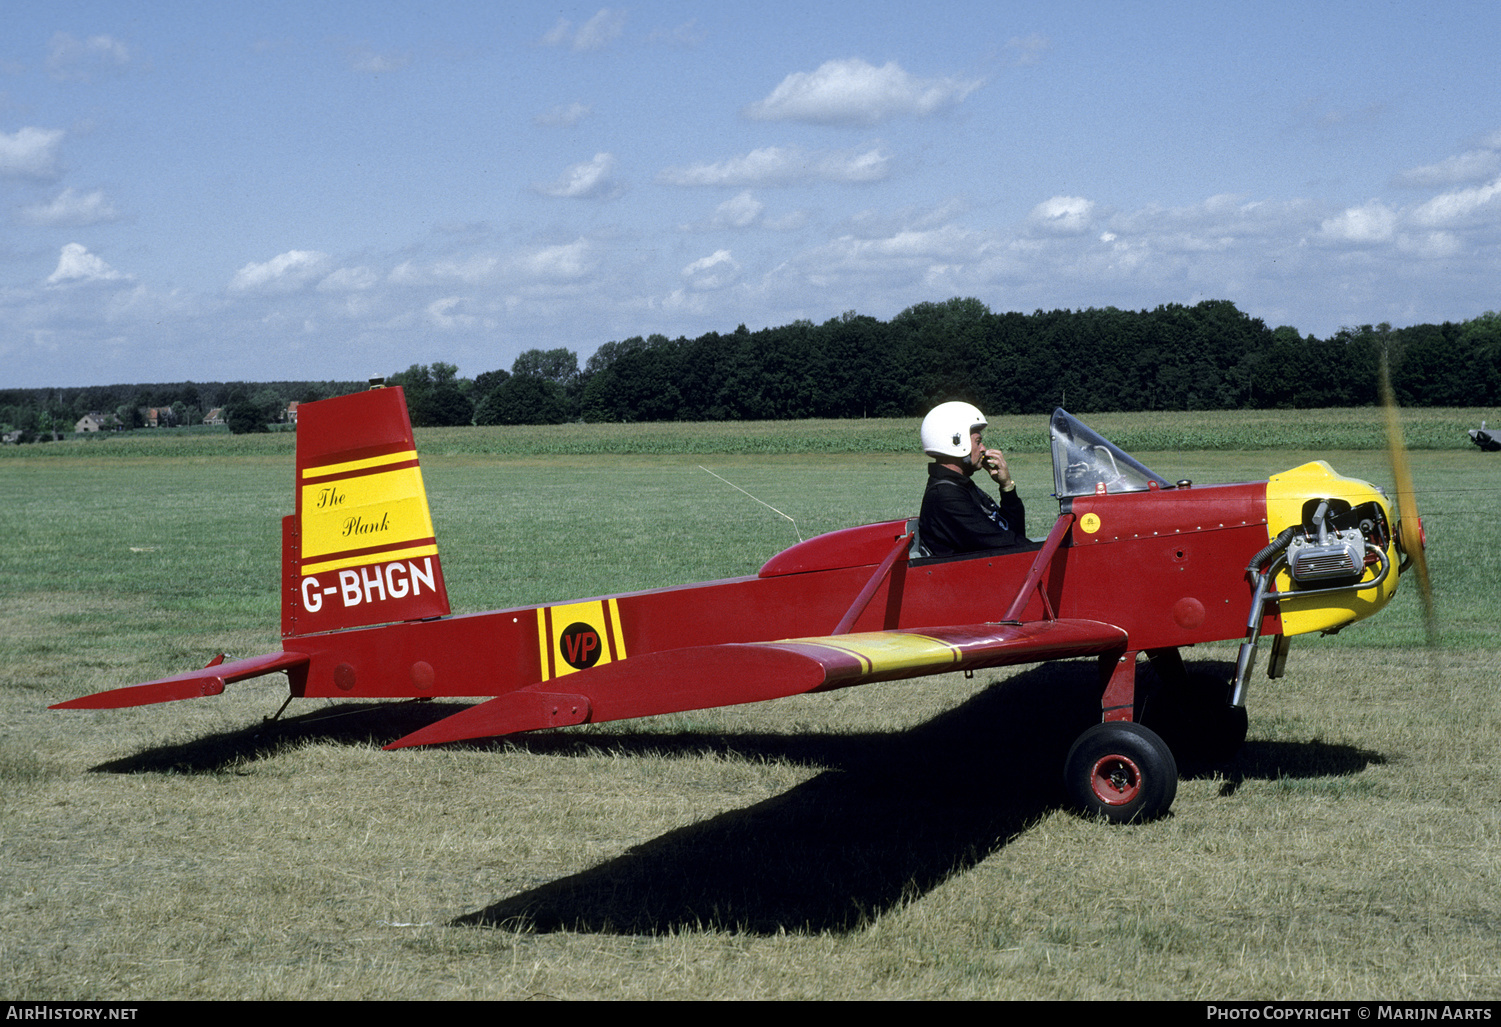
(902, 840)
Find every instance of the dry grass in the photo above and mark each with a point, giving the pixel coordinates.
(897, 841)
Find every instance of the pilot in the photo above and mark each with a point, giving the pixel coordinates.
(957, 517)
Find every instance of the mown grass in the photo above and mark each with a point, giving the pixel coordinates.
(897, 841)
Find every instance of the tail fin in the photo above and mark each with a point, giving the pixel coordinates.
(360, 548)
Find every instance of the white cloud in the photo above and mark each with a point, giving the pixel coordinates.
(872, 224)
(1219, 217)
(740, 211)
(1372, 223)
(569, 261)
(349, 279)
(777, 165)
(564, 115)
(853, 92)
(363, 58)
(285, 272)
(441, 313)
(1026, 50)
(1068, 215)
(687, 35)
(595, 34)
(588, 179)
(901, 255)
(76, 265)
(30, 153)
(78, 60)
(472, 269)
(70, 209)
(1431, 245)
(1474, 166)
(599, 30)
(715, 271)
(1461, 208)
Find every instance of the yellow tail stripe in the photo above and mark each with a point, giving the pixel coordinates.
(359, 465)
(356, 561)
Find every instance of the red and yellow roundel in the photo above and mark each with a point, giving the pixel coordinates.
(578, 636)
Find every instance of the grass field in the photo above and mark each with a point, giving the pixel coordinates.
(896, 841)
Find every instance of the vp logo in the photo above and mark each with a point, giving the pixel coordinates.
(580, 645)
(594, 636)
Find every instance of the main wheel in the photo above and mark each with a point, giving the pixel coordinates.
(1121, 771)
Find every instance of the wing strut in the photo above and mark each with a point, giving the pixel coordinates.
(1039, 567)
(863, 599)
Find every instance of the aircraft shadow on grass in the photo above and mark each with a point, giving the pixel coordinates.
(892, 816)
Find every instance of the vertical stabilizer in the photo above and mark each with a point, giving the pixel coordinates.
(360, 548)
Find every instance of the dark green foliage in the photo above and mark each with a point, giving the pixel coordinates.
(444, 406)
(523, 399)
(1209, 356)
(245, 418)
(435, 396)
(556, 365)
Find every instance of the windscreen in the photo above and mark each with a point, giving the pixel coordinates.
(1084, 460)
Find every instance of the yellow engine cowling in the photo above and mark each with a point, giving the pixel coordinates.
(1287, 497)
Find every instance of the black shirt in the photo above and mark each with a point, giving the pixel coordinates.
(958, 518)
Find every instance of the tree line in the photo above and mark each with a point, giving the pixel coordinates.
(1208, 356)
(251, 406)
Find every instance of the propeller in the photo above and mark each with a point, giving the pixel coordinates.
(1409, 526)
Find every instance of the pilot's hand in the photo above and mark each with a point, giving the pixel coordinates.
(994, 462)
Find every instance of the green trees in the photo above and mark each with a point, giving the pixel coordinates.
(435, 398)
(243, 415)
(542, 387)
(1206, 356)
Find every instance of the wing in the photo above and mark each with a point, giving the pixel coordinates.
(701, 677)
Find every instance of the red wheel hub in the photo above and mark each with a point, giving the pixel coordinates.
(1116, 780)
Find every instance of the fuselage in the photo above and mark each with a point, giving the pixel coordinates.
(1168, 567)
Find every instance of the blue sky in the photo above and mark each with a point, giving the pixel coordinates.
(223, 191)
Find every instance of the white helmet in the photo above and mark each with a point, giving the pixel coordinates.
(945, 431)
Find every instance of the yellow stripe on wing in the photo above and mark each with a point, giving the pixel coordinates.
(882, 651)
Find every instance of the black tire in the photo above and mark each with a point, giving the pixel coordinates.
(1121, 771)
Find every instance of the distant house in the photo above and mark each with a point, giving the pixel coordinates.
(291, 415)
(214, 416)
(95, 421)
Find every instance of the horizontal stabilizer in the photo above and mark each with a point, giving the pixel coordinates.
(726, 675)
(187, 685)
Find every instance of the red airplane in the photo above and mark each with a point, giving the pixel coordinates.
(1134, 565)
